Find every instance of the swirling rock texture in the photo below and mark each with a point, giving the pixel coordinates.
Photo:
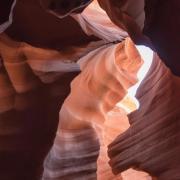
(89, 117)
(24, 142)
(153, 136)
(28, 110)
(21, 84)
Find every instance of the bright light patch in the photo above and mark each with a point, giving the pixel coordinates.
(147, 56)
(129, 103)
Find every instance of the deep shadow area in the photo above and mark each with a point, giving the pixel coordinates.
(163, 27)
(27, 130)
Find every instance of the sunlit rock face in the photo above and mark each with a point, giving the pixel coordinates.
(89, 121)
(90, 117)
(116, 123)
(24, 75)
(89, 133)
(153, 136)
